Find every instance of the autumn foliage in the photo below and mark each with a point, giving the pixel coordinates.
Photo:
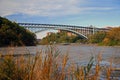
(110, 38)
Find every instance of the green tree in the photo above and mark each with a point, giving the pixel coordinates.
(12, 34)
(97, 37)
(59, 38)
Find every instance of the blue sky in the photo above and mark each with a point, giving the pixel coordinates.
(99, 13)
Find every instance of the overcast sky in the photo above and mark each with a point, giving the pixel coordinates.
(99, 13)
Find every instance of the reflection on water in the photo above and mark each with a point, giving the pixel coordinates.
(77, 53)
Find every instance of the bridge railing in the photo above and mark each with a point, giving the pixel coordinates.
(78, 29)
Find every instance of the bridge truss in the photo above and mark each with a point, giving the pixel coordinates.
(79, 30)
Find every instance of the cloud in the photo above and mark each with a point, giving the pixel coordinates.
(44, 7)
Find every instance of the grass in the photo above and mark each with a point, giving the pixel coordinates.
(49, 64)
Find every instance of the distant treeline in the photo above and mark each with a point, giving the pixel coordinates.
(11, 34)
(109, 38)
(61, 37)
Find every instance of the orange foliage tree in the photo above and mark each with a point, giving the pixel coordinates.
(112, 37)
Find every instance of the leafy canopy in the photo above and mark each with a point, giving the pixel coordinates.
(11, 34)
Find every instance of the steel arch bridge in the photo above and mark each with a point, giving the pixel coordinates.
(79, 30)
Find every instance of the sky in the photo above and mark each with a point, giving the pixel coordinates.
(99, 13)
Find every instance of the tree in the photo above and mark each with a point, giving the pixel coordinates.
(113, 37)
(59, 38)
(13, 34)
(97, 37)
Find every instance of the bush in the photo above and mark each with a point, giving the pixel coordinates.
(11, 34)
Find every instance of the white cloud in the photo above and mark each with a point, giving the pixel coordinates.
(42, 7)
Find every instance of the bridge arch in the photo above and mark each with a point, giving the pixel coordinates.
(64, 29)
(79, 30)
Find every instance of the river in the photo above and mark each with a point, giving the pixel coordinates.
(77, 53)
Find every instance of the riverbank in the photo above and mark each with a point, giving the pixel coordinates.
(61, 62)
(81, 44)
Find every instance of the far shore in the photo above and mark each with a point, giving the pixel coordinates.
(82, 44)
(72, 44)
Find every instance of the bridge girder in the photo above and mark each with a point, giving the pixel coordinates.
(79, 30)
(72, 31)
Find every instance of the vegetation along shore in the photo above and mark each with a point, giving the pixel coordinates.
(50, 64)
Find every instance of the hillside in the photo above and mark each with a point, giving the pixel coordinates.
(11, 34)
